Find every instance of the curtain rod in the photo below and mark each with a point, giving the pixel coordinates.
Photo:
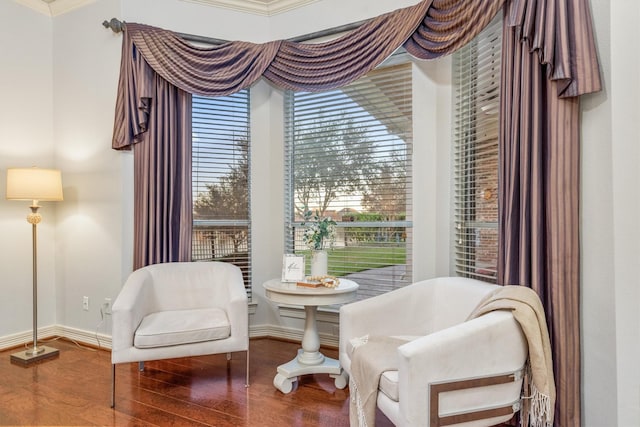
(116, 26)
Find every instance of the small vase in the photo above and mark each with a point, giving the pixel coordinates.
(319, 261)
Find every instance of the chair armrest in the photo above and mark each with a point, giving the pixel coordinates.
(491, 344)
(133, 303)
(237, 292)
(238, 311)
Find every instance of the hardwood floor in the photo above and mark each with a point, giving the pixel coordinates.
(75, 390)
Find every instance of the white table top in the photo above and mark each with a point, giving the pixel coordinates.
(290, 293)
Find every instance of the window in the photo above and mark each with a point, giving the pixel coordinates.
(348, 156)
(220, 176)
(476, 69)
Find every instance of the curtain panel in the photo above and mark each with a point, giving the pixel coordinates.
(549, 60)
(163, 208)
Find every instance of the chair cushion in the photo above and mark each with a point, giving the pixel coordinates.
(389, 385)
(389, 379)
(167, 328)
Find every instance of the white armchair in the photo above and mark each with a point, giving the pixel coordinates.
(452, 370)
(180, 309)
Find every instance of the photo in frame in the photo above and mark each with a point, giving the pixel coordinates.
(292, 268)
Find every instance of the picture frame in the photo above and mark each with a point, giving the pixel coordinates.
(292, 268)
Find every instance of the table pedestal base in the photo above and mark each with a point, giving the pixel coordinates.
(288, 373)
(309, 359)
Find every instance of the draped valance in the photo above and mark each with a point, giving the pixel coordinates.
(428, 30)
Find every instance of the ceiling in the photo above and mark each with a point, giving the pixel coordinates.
(257, 7)
(53, 7)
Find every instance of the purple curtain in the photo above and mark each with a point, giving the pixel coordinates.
(159, 130)
(539, 171)
(162, 180)
(548, 61)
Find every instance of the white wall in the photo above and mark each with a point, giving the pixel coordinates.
(267, 163)
(26, 139)
(625, 125)
(193, 18)
(325, 14)
(431, 168)
(598, 306)
(610, 232)
(58, 90)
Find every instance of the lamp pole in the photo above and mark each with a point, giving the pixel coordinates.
(34, 218)
(34, 184)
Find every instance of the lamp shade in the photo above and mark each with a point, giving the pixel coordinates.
(34, 184)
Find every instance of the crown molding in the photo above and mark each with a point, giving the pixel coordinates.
(53, 7)
(256, 7)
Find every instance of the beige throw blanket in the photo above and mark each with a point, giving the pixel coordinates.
(372, 356)
(540, 389)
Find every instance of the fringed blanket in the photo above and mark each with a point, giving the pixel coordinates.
(372, 356)
(540, 389)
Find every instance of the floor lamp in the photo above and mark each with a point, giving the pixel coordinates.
(34, 184)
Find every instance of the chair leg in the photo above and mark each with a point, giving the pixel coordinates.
(228, 356)
(113, 385)
(246, 384)
(140, 366)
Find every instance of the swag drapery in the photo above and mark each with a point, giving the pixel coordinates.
(548, 61)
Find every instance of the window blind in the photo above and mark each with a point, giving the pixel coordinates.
(348, 157)
(221, 181)
(476, 69)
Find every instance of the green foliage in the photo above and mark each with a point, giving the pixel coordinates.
(361, 258)
(319, 231)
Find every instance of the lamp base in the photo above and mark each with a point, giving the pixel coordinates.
(29, 357)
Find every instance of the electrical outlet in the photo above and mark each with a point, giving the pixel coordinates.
(85, 303)
(106, 306)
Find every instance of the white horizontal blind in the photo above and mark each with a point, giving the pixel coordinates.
(348, 157)
(221, 181)
(476, 69)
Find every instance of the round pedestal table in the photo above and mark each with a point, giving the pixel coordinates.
(309, 359)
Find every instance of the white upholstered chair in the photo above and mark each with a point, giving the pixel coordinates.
(180, 309)
(452, 370)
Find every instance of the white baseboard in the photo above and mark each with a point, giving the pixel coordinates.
(15, 340)
(86, 337)
(104, 341)
(46, 333)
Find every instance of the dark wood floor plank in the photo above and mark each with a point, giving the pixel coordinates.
(74, 390)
